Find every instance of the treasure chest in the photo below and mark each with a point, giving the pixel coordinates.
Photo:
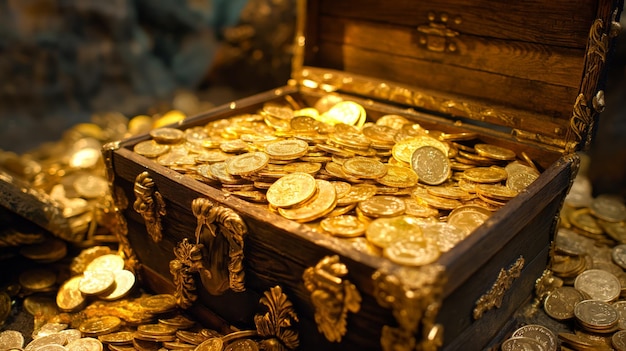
(518, 77)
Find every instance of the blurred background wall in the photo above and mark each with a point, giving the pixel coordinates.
(61, 61)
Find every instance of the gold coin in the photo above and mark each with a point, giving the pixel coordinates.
(100, 325)
(583, 220)
(318, 206)
(521, 343)
(212, 156)
(361, 244)
(84, 344)
(91, 186)
(242, 345)
(491, 174)
(519, 176)
(417, 209)
(342, 188)
(382, 206)
(347, 112)
(291, 190)
(178, 322)
(559, 304)
(69, 298)
(398, 176)
(167, 135)
(158, 303)
(287, 149)
(412, 253)
(40, 306)
(404, 149)
(441, 203)
(108, 262)
(380, 135)
(11, 339)
(213, 344)
(449, 192)
(191, 337)
(343, 226)
(38, 279)
(50, 250)
(150, 148)
(218, 170)
(354, 141)
(357, 193)
(616, 230)
(248, 163)
(598, 284)
(431, 165)
(118, 338)
(596, 314)
(85, 158)
(303, 167)
(96, 282)
(545, 336)
(304, 124)
(52, 339)
(608, 208)
(363, 167)
(278, 111)
(382, 232)
(496, 191)
(124, 282)
(494, 152)
(156, 329)
(393, 121)
(445, 235)
(468, 217)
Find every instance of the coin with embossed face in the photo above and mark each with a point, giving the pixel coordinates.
(598, 284)
(52, 339)
(491, 174)
(398, 176)
(521, 343)
(619, 340)
(412, 253)
(100, 325)
(291, 190)
(69, 298)
(108, 262)
(242, 345)
(545, 336)
(431, 165)
(11, 339)
(364, 167)
(344, 226)
(118, 338)
(213, 344)
(248, 163)
(96, 282)
(158, 303)
(290, 149)
(596, 315)
(357, 192)
(167, 135)
(382, 232)
(559, 304)
(318, 206)
(495, 152)
(382, 206)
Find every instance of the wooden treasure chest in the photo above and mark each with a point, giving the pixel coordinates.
(403, 189)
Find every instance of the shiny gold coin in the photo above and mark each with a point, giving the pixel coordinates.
(37, 279)
(496, 191)
(85, 158)
(393, 121)
(218, 170)
(491, 174)
(318, 206)
(96, 282)
(150, 148)
(85, 344)
(358, 192)
(412, 253)
(353, 141)
(342, 188)
(468, 217)
(495, 152)
(382, 232)
(449, 192)
(441, 203)
(521, 343)
(212, 156)
(583, 220)
(11, 339)
(248, 163)
(303, 167)
(398, 176)
(167, 135)
(100, 325)
(304, 124)
(608, 208)
(381, 135)
(191, 337)
(417, 209)
(69, 298)
(91, 186)
(178, 322)
(213, 344)
(559, 304)
(156, 329)
(348, 112)
(404, 149)
(364, 167)
(242, 345)
(118, 338)
(382, 206)
(159, 303)
(545, 336)
(124, 282)
(445, 235)
(579, 342)
(287, 149)
(343, 226)
(431, 165)
(519, 176)
(291, 190)
(108, 262)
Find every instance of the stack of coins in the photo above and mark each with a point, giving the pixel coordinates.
(587, 298)
(316, 163)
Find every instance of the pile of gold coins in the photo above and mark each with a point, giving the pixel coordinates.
(584, 290)
(99, 307)
(388, 187)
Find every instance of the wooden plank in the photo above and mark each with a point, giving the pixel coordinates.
(551, 100)
(551, 22)
(554, 65)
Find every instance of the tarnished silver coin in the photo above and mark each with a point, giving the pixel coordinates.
(431, 165)
(85, 344)
(598, 284)
(618, 253)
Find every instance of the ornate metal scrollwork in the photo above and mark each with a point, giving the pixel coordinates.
(415, 296)
(332, 296)
(277, 325)
(493, 297)
(149, 204)
(217, 254)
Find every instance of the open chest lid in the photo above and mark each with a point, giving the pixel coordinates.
(532, 68)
